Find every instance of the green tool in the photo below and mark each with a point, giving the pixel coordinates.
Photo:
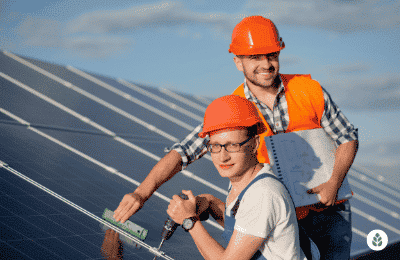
(128, 226)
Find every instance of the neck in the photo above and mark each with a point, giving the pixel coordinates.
(240, 182)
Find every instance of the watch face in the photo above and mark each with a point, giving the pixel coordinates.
(187, 223)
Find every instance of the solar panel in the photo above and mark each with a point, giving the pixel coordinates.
(92, 145)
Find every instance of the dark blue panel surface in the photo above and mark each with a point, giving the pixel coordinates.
(185, 118)
(91, 109)
(8, 252)
(33, 249)
(63, 250)
(24, 227)
(8, 233)
(171, 99)
(32, 202)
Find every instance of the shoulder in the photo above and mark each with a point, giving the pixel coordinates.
(267, 190)
(299, 80)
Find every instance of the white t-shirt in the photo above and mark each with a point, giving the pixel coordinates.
(267, 210)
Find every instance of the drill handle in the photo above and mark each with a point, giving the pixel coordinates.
(170, 225)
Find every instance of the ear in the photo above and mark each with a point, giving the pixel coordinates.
(257, 140)
(238, 63)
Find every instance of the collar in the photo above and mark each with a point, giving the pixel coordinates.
(251, 97)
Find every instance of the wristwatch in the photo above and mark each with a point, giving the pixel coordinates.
(188, 223)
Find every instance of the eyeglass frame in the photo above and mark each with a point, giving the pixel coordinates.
(227, 145)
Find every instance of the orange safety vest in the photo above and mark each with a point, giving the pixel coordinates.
(305, 101)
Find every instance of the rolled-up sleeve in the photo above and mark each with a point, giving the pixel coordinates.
(192, 147)
(335, 122)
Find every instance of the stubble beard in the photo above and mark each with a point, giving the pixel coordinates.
(272, 83)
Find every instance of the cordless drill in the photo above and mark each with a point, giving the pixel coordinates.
(169, 226)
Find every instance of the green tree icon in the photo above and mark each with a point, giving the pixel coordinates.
(377, 240)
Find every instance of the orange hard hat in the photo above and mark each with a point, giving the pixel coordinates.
(231, 111)
(255, 35)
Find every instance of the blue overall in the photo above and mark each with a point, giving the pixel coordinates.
(229, 222)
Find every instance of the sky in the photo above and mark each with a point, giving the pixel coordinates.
(350, 47)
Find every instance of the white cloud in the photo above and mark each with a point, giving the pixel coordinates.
(40, 32)
(49, 33)
(111, 25)
(98, 46)
(337, 16)
(348, 68)
(369, 93)
(105, 33)
(163, 14)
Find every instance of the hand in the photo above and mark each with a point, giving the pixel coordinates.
(130, 204)
(180, 209)
(328, 193)
(112, 246)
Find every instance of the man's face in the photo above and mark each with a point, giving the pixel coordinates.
(259, 70)
(233, 165)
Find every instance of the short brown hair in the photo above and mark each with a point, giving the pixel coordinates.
(252, 130)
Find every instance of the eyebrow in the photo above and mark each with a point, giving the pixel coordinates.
(224, 143)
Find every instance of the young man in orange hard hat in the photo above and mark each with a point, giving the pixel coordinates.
(259, 217)
(287, 103)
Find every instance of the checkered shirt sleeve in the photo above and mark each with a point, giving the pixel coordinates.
(335, 122)
(192, 147)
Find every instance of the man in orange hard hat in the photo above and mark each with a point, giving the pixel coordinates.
(286, 103)
(257, 202)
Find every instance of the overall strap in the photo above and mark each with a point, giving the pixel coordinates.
(259, 177)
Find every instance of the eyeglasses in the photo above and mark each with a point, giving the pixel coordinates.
(230, 148)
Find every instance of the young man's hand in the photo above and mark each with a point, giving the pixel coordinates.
(180, 209)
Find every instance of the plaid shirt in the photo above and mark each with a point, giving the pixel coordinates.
(333, 121)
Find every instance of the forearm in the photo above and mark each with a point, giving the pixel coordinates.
(344, 158)
(208, 246)
(164, 170)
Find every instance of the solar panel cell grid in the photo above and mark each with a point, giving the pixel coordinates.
(154, 103)
(157, 92)
(12, 252)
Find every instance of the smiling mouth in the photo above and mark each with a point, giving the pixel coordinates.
(265, 73)
(226, 166)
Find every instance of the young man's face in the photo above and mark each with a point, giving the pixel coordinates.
(259, 70)
(234, 164)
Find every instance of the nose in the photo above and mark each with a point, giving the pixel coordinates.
(265, 61)
(224, 156)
